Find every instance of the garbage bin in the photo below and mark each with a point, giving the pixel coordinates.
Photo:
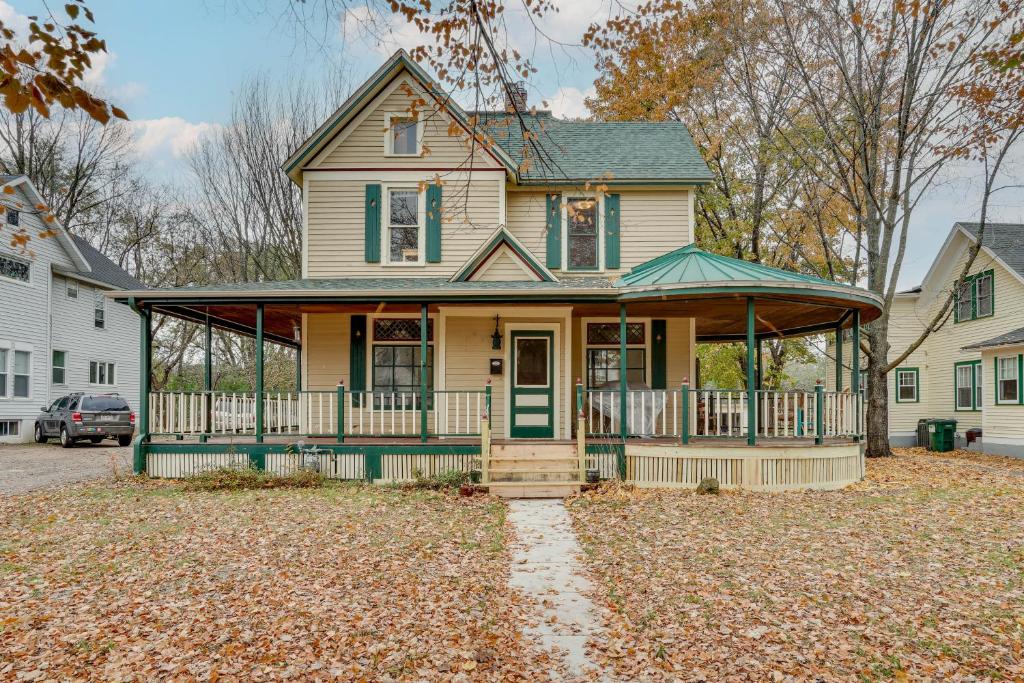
(923, 441)
(941, 433)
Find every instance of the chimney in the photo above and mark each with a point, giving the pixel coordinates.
(515, 97)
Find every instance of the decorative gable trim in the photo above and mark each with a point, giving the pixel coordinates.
(502, 241)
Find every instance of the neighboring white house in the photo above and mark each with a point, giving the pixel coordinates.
(58, 333)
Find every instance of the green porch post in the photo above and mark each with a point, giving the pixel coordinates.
(623, 384)
(685, 395)
(145, 380)
(259, 373)
(760, 364)
(207, 379)
(839, 358)
(855, 371)
(423, 373)
(751, 380)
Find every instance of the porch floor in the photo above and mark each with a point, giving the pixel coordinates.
(695, 441)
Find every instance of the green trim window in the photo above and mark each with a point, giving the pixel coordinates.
(59, 367)
(975, 298)
(604, 360)
(967, 385)
(583, 240)
(405, 226)
(395, 370)
(1008, 379)
(907, 385)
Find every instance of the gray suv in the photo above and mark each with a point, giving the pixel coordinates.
(86, 416)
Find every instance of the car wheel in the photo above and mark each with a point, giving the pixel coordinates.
(65, 439)
(124, 440)
(40, 437)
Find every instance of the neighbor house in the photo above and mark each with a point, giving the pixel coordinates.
(510, 293)
(58, 332)
(969, 369)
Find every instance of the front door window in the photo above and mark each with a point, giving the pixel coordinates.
(531, 362)
(532, 394)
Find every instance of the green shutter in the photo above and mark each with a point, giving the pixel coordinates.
(659, 346)
(433, 223)
(554, 228)
(371, 217)
(357, 356)
(611, 231)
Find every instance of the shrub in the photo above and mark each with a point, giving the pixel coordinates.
(244, 478)
(448, 479)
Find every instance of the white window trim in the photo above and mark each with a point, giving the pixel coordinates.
(110, 366)
(917, 388)
(68, 285)
(6, 370)
(421, 220)
(586, 345)
(63, 367)
(26, 348)
(566, 197)
(23, 283)
(1000, 380)
(389, 141)
(99, 298)
(972, 383)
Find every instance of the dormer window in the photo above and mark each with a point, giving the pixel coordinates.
(404, 135)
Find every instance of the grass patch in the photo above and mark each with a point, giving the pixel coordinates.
(245, 479)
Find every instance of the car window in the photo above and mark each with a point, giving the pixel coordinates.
(56, 404)
(63, 403)
(104, 403)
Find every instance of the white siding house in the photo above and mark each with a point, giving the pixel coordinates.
(54, 337)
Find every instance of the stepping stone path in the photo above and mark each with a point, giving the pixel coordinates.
(546, 569)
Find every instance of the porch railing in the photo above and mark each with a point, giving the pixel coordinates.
(338, 414)
(721, 413)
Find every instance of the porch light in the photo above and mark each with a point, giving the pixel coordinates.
(296, 332)
(496, 337)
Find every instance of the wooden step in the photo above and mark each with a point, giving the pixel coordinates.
(535, 450)
(533, 464)
(534, 477)
(533, 490)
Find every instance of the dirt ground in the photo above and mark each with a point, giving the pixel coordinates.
(26, 467)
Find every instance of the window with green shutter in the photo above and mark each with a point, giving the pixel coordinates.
(975, 297)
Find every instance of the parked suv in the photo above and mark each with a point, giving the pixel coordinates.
(86, 416)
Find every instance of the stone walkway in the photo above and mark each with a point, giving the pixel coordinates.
(545, 567)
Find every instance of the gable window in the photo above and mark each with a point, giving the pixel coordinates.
(22, 373)
(396, 362)
(101, 373)
(13, 217)
(967, 389)
(975, 297)
(99, 317)
(14, 268)
(405, 226)
(59, 367)
(582, 233)
(71, 290)
(403, 135)
(604, 357)
(906, 385)
(1007, 380)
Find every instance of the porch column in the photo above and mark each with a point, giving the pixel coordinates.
(145, 383)
(751, 386)
(839, 357)
(855, 371)
(207, 379)
(423, 373)
(298, 369)
(623, 385)
(259, 373)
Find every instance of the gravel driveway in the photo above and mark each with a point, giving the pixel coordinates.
(24, 467)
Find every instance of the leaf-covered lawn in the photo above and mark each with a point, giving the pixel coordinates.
(143, 581)
(915, 574)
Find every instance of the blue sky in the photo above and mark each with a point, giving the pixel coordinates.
(173, 66)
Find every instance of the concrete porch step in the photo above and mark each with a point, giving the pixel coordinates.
(533, 489)
(527, 476)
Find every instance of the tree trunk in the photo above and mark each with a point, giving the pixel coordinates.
(878, 390)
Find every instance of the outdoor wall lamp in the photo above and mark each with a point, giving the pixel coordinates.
(496, 337)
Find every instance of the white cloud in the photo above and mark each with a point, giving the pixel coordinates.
(382, 32)
(169, 136)
(13, 19)
(567, 102)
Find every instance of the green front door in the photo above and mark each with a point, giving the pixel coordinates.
(532, 395)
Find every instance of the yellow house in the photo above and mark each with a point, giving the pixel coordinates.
(514, 295)
(969, 369)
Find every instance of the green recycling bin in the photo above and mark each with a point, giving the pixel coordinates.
(941, 434)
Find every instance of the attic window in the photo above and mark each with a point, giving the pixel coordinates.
(403, 135)
(14, 268)
(13, 217)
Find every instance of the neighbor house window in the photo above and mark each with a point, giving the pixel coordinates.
(604, 357)
(396, 362)
(10, 427)
(4, 353)
(13, 217)
(967, 390)
(14, 268)
(59, 371)
(975, 297)
(99, 318)
(22, 373)
(101, 373)
(582, 234)
(404, 226)
(71, 289)
(1007, 380)
(403, 136)
(906, 385)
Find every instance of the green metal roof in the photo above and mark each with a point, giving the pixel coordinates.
(618, 151)
(693, 266)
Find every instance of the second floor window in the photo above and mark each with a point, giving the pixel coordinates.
(72, 289)
(582, 234)
(99, 319)
(975, 298)
(13, 217)
(14, 268)
(59, 373)
(403, 136)
(404, 229)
